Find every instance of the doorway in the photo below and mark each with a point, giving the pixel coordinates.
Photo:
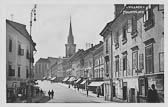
(124, 90)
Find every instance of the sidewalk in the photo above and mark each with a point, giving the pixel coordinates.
(91, 94)
(36, 99)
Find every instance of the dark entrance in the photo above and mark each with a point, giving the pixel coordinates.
(124, 90)
(114, 90)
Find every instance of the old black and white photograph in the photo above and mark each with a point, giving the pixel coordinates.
(83, 52)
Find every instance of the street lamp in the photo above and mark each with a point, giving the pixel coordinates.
(33, 15)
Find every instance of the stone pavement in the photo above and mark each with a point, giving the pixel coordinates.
(91, 94)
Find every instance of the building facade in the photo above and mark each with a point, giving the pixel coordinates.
(19, 59)
(138, 53)
(41, 66)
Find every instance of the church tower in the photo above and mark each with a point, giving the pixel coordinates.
(70, 46)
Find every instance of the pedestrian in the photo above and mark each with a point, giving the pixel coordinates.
(49, 93)
(98, 91)
(152, 96)
(87, 91)
(52, 94)
(41, 91)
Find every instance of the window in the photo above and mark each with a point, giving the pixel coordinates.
(102, 71)
(148, 17)
(142, 86)
(107, 68)
(141, 62)
(134, 26)
(20, 51)
(117, 40)
(10, 45)
(11, 71)
(161, 61)
(117, 63)
(135, 61)
(18, 71)
(27, 55)
(149, 58)
(125, 64)
(106, 46)
(124, 40)
(27, 73)
(129, 26)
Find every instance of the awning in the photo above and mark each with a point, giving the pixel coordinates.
(44, 77)
(83, 82)
(53, 78)
(78, 80)
(71, 79)
(96, 83)
(65, 79)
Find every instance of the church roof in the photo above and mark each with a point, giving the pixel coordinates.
(70, 36)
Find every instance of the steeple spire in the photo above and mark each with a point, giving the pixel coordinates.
(70, 36)
(70, 46)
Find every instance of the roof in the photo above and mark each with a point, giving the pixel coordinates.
(21, 28)
(43, 60)
(91, 49)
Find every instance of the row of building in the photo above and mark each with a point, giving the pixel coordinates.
(126, 63)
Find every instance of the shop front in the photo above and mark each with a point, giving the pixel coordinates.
(145, 83)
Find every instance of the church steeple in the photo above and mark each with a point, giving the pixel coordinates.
(70, 46)
(70, 36)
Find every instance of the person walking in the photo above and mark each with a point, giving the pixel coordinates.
(152, 96)
(98, 91)
(52, 94)
(49, 93)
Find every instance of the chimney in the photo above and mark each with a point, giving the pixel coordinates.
(118, 9)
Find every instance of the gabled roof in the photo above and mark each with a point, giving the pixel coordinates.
(21, 28)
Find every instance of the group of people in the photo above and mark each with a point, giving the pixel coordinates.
(51, 94)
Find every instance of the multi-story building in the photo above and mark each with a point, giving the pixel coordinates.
(58, 69)
(98, 68)
(137, 52)
(41, 67)
(19, 59)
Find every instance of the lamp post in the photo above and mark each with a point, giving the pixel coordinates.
(33, 15)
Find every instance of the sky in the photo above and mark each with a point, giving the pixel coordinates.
(51, 29)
